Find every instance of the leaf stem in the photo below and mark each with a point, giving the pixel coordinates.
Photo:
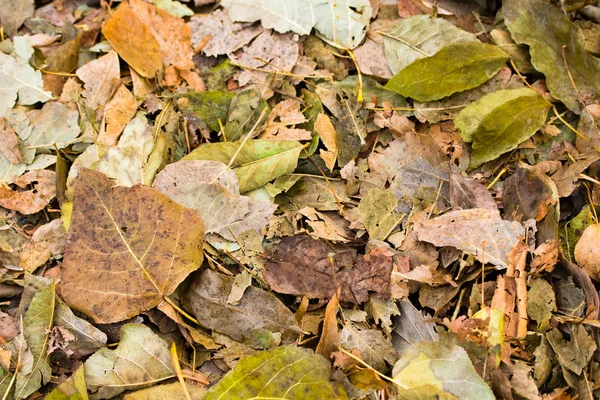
(177, 367)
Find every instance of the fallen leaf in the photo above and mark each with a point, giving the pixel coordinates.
(54, 126)
(119, 111)
(48, 241)
(546, 29)
(455, 68)
(301, 16)
(374, 348)
(567, 176)
(149, 244)
(174, 8)
(167, 391)
(144, 53)
(101, 78)
(526, 196)
(377, 213)
(14, 13)
(586, 251)
(225, 36)
(212, 189)
(418, 37)
(34, 200)
(427, 370)
(283, 372)
(282, 121)
(303, 266)
(467, 193)
(575, 352)
(330, 335)
(245, 110)
(257, 163)
(326, 132)
(73, 388)
(211, 106)
(9, 143)
(500, 121)
(257, 312)
(480, 232)
(540, 302)
(412, 327)
(141, 359)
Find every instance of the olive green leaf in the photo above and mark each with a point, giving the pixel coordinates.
(377, 214)
(540, 302)
(258, 162)
(546, 29)
(499, 121)
(427, 370)
(141, 359)
(419, 36)
(36, 329)
(211, 106)
(455, 68)
(73, 388)
(285, 372)
(167, 391)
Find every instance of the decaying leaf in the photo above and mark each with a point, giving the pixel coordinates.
(574, 353)
(280, 373)
(34, 200)
(257, 313)
(46, 242)
(100, 78)
(466, 193)
(304, 267)
(586, 251)
(139, 243)
(377, 213)
(141, 359)
(14, 13)
(480, 232)
(374, 348)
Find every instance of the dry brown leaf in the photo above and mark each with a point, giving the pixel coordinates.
(46, 242)
(34, 200)
(282, 121)
(9, 144)
(119, 111)
(526, 196)
(330, 335)
(100, 78)
(137, 242)
(134, 41)
(467, 193)
(587, 251)
(303, 266)
(326, 132)
(171, 33)
(478, 231)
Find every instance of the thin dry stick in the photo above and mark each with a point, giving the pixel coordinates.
(175, 361)
(180, 310)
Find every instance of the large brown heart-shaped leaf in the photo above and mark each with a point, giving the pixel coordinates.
(127, 248)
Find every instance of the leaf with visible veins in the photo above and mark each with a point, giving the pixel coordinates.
(136, 241)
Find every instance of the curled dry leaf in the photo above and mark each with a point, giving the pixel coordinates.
(46, 242)
(303, 266)
(480, 232)
(34, 200)
(136, 241)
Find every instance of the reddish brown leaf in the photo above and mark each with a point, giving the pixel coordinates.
(34, 200)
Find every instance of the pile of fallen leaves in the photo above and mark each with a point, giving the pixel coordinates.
(299, 199)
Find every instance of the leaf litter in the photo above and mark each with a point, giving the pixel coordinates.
(317, 199)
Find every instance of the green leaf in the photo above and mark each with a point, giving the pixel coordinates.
(546, 29)
(499, 121)
(285, 372)
(429, 369)
(73, 388)
(167, 391)
(455, 68)
(173, 7)
(258, 162)
(342, 23)
(36, 329)
(211, 106)
(141, 359)
(244, 111)
(418, 37)
(377, 214)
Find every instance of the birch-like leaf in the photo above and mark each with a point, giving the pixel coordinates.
(500, 121)
(341, 23)
(555, 42)
(418, 37)
(141, 359)
(136, 241)
(455, 68)
(285, 372)
(478, 231)
(258, 162)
